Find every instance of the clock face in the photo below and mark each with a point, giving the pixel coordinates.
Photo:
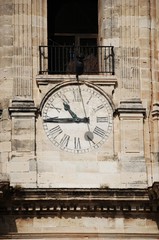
(77, 118)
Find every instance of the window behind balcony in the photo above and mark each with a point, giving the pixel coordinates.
(73, 31)
(72, 22)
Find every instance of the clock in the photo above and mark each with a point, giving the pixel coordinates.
(77, 118)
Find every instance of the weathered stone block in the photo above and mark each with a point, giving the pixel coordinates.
(6, 146)
(20, 178)
(22, 145)
(5, 136)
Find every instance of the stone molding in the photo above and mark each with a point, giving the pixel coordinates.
(23, 114)
(1, 113)
(155, 111)
(95, 79)
(25, 106)
(131, 114)
(131, 106)
(86, 235)
(52, 201)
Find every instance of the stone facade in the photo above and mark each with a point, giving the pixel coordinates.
(110, 192)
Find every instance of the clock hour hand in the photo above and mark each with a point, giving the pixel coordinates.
(74, 116)
(66, 120)
(67, 108)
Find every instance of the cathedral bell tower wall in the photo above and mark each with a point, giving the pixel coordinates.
(129, 26)
(79, 157)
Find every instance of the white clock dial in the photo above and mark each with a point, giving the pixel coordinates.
(77, 118)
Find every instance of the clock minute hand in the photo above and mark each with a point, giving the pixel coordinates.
(84, 120)
(66, 120)
(59, 120)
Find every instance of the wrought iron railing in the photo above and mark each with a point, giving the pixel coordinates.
(62, 59)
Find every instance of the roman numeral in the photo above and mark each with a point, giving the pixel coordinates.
(77, 144)
(99, 131)
(53, 107)
(102, 119)
(99, 107)
(63, 97)
(89, 99)
(54, 132)
(64, 141)
(76, 95)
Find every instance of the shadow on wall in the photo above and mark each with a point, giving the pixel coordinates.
(7, 224)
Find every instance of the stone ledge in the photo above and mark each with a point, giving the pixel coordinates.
(22, 106)
(78, 235)
(51, 201)
(131, 106)
(108, 80)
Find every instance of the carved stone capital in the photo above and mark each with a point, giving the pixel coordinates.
(22, 107)
(155, 111)
(131, 107)
(23, 114)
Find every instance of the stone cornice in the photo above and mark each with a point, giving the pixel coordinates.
(85, 235)
(51, 201)
(131, 106)
(108, 80)
(155, 111)
(22, 106)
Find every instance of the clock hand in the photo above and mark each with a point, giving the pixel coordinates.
(67, 108)
(84, 109)
(66, 120)
(84, 120)
(74, 116)
(89, 137)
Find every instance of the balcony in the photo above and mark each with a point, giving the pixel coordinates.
(62, 59)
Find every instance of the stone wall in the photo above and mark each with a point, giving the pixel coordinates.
(129, 26)
(129, 159)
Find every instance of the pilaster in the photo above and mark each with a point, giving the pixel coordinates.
(120, 23)
(154, 131)
(129, 47)
(131, 114)
(5, 144)
(22, 60)
(23, 158)
(30, 31)
(39, 34)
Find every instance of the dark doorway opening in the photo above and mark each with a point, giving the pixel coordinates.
(72, 22)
